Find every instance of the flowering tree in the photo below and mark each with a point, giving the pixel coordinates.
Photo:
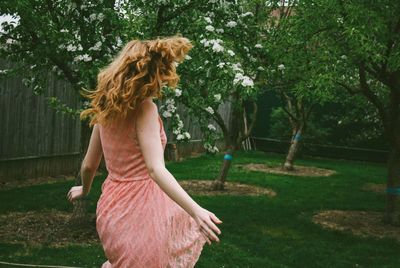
(74, 39)
(220, 70)
(359, 44)
(71, 39)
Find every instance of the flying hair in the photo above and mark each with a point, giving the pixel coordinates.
(138, 71)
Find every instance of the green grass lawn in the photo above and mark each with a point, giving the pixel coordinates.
(256, 231)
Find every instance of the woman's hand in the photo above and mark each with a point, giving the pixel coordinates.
(75, 193)
(206, 220)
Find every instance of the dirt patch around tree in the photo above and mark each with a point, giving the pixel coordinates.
(6, 185)
(202, 187)
(374, 187)
(46, 228)
(359, 223)
(303, 171)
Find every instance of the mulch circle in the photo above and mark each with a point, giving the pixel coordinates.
(6, 185)
(46, 227)
(303, 171)
(359, 223)
(202, 187)
(374, 187)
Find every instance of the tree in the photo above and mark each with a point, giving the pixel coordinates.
(359, 43)
(221, 70)
(73, 39)
(290, 73)
(76, 39)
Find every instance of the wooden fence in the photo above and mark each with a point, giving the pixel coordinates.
(36, 141)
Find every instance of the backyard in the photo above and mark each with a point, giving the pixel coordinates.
(257, 231)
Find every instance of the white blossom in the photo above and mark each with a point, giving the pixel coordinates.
(258, 46)
(260, 68)
(84, 57)
(231, 24)
(221, 65)
(97, 46)
(212, 127)
(92, 17)
(187, 57)
(210, 148)
(208, 20)
(180, 137)
(205, 42)
(231, 53)
(217, 47)
(247, 82)
(244, 80)
(217, 97)
(237, 67)
(10, 41)
(210, 110)
(178, 92)
(219, 30)
(247, 14)
(210, 28)
(281, 67)
(166, 114)
(187, 135)
(71, 47)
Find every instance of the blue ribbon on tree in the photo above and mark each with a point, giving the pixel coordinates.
(228, 157)
(297, 137)
(393, 191)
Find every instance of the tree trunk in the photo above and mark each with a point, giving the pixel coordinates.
(175, 152)
(80, 211)
(231, 138)
(219, 182)
(392, 214)
(294, 146)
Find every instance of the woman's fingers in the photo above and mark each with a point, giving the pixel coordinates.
(215, 218)
(210, 232)
(204, 232)
(213, 227)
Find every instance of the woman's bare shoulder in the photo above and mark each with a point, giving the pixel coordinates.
(148, 109)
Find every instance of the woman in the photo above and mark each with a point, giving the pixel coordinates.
(144, 217)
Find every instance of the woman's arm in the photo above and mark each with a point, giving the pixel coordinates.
(89, 166)
(148, 135)
(92, 160)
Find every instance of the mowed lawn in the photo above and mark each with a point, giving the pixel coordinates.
(256, 231)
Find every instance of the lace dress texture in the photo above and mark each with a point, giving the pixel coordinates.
(138, 224)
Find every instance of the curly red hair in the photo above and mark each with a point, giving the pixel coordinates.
(139, 71)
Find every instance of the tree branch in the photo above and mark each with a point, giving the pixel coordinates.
(371, 96)
(252, 123)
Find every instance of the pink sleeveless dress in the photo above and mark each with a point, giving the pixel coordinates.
(138, 224)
